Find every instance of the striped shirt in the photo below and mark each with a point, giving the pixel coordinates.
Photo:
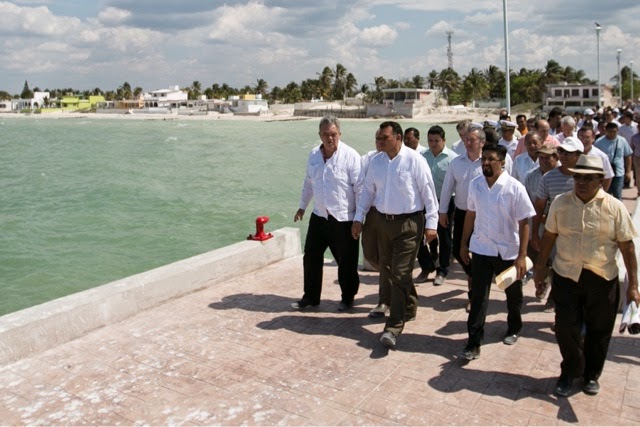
(554, 183)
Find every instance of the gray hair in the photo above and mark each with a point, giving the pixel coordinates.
(463, 125)
(569, 121)
(481, 133)
(328, 121)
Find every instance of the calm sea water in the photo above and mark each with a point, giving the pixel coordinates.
(84, 202)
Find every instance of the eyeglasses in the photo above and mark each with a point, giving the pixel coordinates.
(580, 177)
(484, 159)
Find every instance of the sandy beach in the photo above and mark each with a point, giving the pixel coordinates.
(443, 115)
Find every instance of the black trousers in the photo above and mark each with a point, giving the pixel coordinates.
(335, 235)
(483, 268)
(458, 227)
(439, 248)
(592, 301)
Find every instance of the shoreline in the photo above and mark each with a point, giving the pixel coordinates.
(445, 117)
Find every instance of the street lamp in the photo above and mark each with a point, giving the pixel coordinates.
(619, 78)
(598, 28)
(506, 56)
(633, 101)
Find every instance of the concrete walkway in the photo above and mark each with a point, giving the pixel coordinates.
(237, 354)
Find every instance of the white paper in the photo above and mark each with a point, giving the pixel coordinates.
(631, 319)
(508, 277)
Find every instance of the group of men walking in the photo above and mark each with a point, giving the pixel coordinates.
(482, 207)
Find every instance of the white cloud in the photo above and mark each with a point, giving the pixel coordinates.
(113, 15)
(438, 28)
(34, 20)
(382, 35)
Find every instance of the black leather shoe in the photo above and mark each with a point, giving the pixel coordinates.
(591, 387)
(343, 306)
(470, 353)
(388, 340)
(302, 304)
(563, 386)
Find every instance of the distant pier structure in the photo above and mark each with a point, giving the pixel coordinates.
(449, 50)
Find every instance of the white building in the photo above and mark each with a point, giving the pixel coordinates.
(172, 97)
(573, 97)
(38, 101)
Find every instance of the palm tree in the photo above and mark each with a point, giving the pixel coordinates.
(137, 92)
(448, 81)
(350, 84)
(496, 79)
(418, 81)
(325, 78)
(292, 93)
(339, 82)
(275, 94)
(432, 79)
(261, 87)
(475, 85)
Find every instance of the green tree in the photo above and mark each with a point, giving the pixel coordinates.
(497, 81)
(261, 87)
(350, 84)
(26, 92)
(339, 82)
(5, 96)
(432, 79)
(325, 79)
(137, 92)
(275, 95)
(448, 82)
(292, 94)
(418, 81)
(474, 86)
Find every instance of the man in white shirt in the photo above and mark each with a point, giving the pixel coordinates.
(526, 162)
(497, 226)
(462, 128)
(461, 171)
(412, 140)
(332, 176)
(400, 186)
(508, 139)
(628, 128)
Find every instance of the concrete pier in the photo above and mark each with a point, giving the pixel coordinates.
(233, 352)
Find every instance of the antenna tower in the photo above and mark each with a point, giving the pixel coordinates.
(449, 50)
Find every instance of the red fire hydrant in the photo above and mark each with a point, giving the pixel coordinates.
(260, 234)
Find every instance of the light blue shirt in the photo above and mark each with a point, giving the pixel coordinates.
(616, 150)
(439, 165)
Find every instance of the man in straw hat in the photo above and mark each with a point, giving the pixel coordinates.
(588, 226)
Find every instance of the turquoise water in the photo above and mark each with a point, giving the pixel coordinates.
(84, 202)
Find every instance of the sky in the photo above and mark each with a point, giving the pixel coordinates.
(153, 44)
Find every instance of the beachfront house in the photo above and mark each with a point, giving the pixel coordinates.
(407, 102)
(39, 100)
(172, 97)
(72, 103)
(572, 97)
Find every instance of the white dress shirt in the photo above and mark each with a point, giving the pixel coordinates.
(509, 145)
(459, 148)
(332, 184)
(456, 181)
(400, 185)
(498, 210)
(522, 166)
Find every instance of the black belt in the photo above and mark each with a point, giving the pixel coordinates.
(392, 217)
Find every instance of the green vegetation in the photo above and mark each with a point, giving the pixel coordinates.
(337, 83)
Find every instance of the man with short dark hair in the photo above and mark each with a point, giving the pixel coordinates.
(331, 180)
(412, 140)
(521, 120)
(400, 186)
(587, 226)
(495, 198)
(619, 152)
(439, 158)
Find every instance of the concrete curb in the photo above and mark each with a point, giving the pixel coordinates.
(41, 327)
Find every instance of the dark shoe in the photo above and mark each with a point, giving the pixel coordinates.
(563, 386)
(549, 307)
(470, 353)
(591, 387)
(388, 340)
(343, 306)
(379, 310)
(410, 318)
(302, 304)
(510, 339)
(422, 277)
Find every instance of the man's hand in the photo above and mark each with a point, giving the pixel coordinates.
(443, 219)
(464, 253)
(356, 229)
(299, 215)
(633, 295)
(539, 276)
(521, 267)
(430, 235)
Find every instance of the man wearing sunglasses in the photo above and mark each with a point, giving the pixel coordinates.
(587, 226)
